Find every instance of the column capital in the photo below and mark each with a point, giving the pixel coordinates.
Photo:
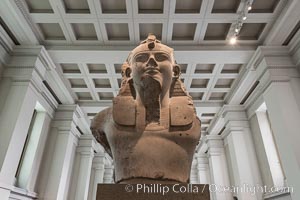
(109, 168)
(202, 162)
(29, 66)
(73, 112)
(213, 141)
(202, 159)
(235, 119)
(215, 144)
(67, 112)
(27, 63)
(234, 113)
(44, 68)
(99, 160)
(275, 68)
(100, 155)
(85, 151)
(67, 119)
(86, 145)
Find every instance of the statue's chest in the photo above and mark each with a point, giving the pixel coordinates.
(128, 136)
(179, 113)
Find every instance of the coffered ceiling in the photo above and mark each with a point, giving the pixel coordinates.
(89, 40)
(126, 22)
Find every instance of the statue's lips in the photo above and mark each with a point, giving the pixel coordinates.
(152, 71)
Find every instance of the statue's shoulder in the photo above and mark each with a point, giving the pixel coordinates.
(98, 127)
(124, 110)
(101, 118)
(182, 111)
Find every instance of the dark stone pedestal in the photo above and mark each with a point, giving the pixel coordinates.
(152, 192)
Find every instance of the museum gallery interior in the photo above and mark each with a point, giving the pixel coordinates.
(61, 64)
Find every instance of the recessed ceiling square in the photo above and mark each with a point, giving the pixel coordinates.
(97, 68)
(84, 31)
(106, 95)
(117, 31)
(151, 7)
(70, 68)
(251, 31)
(183, 68)
(199, 83)
(217, 31)
(188, 6)
(118, 68)
(204, 68)
(231, 68)
(155, 28)
(77, 83)
(76, 6)
(217, 96)
(119, 82)
(84, 96)
(264, 6)
(205, 121)
(38, 6)
(184, 31)
(102, 83)
(224, 83)
(204, 129)
(52, 31)
(196, 95)
(208, 114)
(113, 6)
(225, 6)
(91, 114)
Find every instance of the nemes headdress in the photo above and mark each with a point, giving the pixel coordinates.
(151, 44)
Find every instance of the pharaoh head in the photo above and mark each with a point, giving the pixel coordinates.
(152, 128)
(153, 63)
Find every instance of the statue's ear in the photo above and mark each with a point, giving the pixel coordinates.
(176, 71)
(128, 72)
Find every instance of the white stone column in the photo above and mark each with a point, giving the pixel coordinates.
(274, 164)
(284, 113)
(19, 91)
(108, 170)
(203, 169)
(97, 175)
(60, 153)
(15, 120)
(108, 174)
(218, 168)
(280, 88)
(194, 177)
(242, 154)
(86, 153)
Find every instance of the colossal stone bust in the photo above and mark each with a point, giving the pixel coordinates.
(152, 130)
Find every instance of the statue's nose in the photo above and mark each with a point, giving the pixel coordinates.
(151, 63)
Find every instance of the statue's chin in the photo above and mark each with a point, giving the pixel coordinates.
(151, 83)
(150, 89)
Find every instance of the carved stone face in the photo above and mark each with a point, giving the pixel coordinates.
(153, 64)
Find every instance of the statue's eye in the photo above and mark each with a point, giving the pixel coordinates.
(143, 57)
(161, 57)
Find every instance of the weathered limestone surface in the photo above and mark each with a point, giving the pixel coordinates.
(151, 130)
